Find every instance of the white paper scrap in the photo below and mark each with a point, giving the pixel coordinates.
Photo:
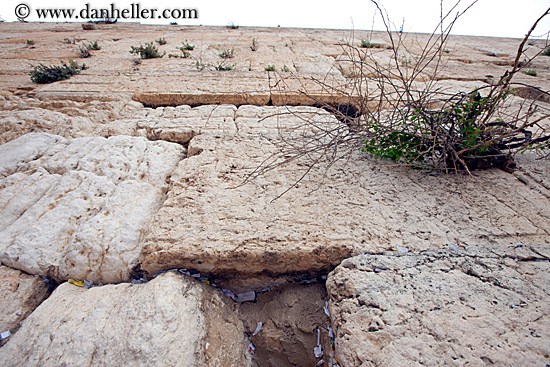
(258, 328)
(318, 350)
(246, 296)
(6, 334)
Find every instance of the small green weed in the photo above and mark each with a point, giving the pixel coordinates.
(368, 44)
(530, 72)
(149, 51)
(411, 140)
(186, 46)
(84, 52)
(30, 42)
(69, 41)
(200, 65)
(285, 69)
(222, 66)
(161, 41)
(270, 68)
(43, 74)
(546, 52)
(227, 54)
(93, 46)
(232, 25)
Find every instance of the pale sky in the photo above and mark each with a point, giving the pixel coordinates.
(497, 18)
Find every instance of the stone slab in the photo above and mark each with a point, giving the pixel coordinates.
(214, 221)
(20, 294)
(484, 306)
(79, 208)
(307, 53)
(169, 321)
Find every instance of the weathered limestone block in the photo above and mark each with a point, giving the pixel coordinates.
(20, 294)
(70, 119)
(80, 208)
(443, 308)
(307, 53)
(284, 120)
(180, 124)
(169, 321)
(156, 99)
(213, 223)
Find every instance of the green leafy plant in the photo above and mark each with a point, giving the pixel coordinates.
(546, 52)
(149, 51)
(285, 69)
(93, 46)
(368, 44)
(270, 68)
(199, 65)
(69, 41)
(398, 110)
(30, 42)
(223, 66)
(186, 46)
(161, 41)
(43, 74)
(84, 52)
(530, 72)
(227, 54)
(232, 25)
(452, 135)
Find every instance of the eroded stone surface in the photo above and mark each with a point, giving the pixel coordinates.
(20, 294)
(213, 222)
(210, 224)
(80, 208)
(484, 306)
(71, 119)
(308, 53)
(169, 321)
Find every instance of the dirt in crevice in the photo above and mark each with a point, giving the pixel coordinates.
(294, 316)
(290, 315)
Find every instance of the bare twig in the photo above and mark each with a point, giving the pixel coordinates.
(396, 109)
